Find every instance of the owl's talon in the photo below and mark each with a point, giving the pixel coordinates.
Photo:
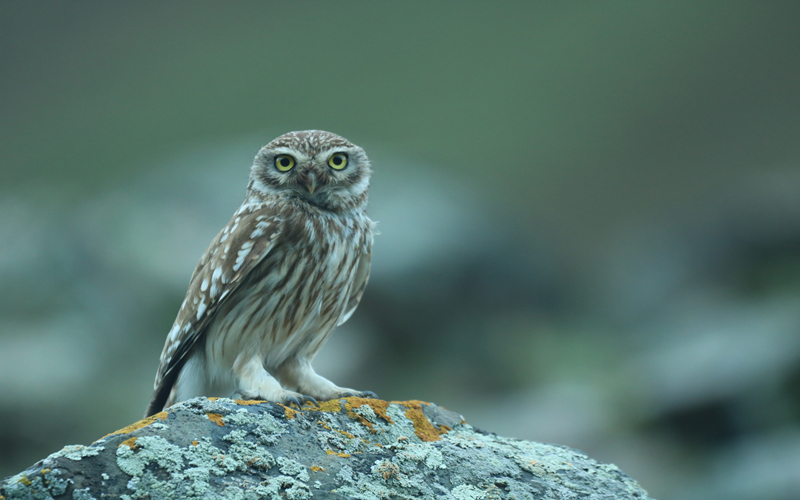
(369, 395)
(293, 400)
(310, 400)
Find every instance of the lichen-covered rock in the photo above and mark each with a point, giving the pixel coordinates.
(349, 448)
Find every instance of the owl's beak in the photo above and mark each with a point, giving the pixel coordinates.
(311, 183)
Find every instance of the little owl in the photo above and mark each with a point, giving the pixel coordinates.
(289, 267)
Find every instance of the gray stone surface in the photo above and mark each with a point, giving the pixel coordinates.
(348, 448)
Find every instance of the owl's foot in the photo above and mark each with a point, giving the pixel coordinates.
(299, 375)
(255, 383)
(357, 394)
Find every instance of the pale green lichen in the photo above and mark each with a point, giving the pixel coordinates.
(42, 486)
(204, 405)
(267, 428)
(293, 468)
(78, 451)
(242, 453)
(367, 412)
(188, 470)
(150, 450)
(467, 492)
(82, 494)
(416, 452)
(291, 487)
(346, 474)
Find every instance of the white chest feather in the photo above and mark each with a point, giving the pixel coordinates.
(294, 299)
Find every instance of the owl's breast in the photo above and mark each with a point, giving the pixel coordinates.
(293, 299)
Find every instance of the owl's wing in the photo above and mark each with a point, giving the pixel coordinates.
(234, 253)
(359, 284)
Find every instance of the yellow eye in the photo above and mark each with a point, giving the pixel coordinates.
(284, 163)
(338, 161)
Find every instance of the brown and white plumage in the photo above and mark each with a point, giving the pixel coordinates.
(289, 267)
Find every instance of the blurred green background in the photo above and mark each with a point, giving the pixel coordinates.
(589, 214)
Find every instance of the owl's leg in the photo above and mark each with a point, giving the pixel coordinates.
(298, 374)
(256, 383)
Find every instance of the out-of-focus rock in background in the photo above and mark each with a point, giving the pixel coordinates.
(589, 215)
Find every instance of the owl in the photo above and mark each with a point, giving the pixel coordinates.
(289, 267)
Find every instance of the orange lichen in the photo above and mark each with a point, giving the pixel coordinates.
(288, 412)
(216, 418)
(334, 405)
(423, 428)
(130, 443)
(195, 443)
(249, 402)
(317, 468)
(342, 455)
(345, 433)
(378, 406)
(141, 423)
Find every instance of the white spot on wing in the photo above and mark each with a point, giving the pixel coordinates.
(201, 309)
(204, 285)
(246, 247)
(173, 333)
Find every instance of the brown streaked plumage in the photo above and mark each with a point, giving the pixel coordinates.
(289, 267)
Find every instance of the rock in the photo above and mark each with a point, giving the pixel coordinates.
(349, 448)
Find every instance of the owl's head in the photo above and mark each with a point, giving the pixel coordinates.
(318, 167)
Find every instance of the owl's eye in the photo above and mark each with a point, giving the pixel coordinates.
(284, 163)
(338, 161)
